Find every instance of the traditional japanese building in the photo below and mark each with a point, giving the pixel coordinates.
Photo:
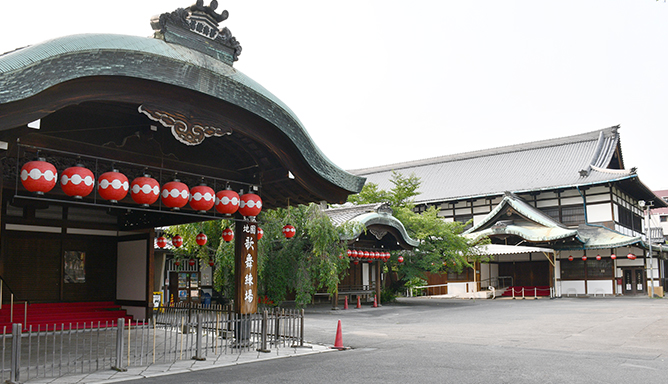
(570, 201)
(166, 115)
(374, 233)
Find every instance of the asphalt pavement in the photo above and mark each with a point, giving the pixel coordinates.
(567, 340)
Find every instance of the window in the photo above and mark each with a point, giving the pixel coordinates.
(629, 219)
(572, 270)
(464, 219)
(553, 212)
(573, 215)
(664, 219)
(599, 269)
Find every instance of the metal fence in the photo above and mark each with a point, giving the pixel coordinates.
(174, 333)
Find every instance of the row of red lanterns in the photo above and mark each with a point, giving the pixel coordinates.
(630, 256)
(41, 177)
(372, 255)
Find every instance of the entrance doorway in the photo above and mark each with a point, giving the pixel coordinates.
(634, 281)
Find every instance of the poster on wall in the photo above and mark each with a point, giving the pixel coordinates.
(75, 267)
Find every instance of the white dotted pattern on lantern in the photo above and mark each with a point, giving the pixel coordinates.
(115, 184)
(197, 196)
(35, 174)
(146, 189)
(175, 193)
(76, 179)
(226, 200)
(250, 204)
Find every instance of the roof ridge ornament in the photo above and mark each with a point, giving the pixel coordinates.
(197, 27)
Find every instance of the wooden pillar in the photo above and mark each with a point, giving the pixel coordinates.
(245, 267)
(378, 268)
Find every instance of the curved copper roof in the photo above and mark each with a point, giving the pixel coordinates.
(108, 77)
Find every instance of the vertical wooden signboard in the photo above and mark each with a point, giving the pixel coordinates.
(245, 267)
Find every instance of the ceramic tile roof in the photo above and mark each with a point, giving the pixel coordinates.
(563, 162)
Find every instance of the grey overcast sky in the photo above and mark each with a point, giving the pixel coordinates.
(378, 82)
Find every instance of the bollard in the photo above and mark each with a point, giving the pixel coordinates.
(345, 303)
(359, 305)
(523, 294)
(16, 354)
(263, 342)
(535, 293)
(375, 301)
(198, 342)
(119, 345)
(513, 290)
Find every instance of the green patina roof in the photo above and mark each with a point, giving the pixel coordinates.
(30, 70)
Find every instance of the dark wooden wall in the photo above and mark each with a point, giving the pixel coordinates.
(32, 265)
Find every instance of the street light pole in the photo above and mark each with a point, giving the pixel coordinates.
(648, 205)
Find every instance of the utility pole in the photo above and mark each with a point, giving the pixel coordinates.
(647, 206)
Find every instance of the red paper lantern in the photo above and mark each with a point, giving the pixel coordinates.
(145, 190)
(289, 231)
(175, 194)
(349, 252)
(200, 239)
(161, 242)
(366, 254)
(613, 256)
(376, 255)
(39, 176)
(202, 198)
(211, 263)
(400, 259)
(260, 233)
(77, 181)
(191, 262)
(584, 258)
(356, 261)
(113, 186)
(177, 241)
(227, 201)
(631, 256)
(354, 253)
(570, 258)
(177, 263)
(228, 234)
(250, 205)
(598, 257)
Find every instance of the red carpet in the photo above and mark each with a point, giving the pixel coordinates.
(528, 291)
(79, 315)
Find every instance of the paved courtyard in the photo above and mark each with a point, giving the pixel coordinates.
(568, 340)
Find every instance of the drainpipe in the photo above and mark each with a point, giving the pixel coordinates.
(584, 204)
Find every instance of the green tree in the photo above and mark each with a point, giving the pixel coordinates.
(309, 261)
(442, 246)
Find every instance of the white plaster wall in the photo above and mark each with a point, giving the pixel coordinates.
(131, 270)
(572, 287)
(599, 213)
(365, 274)
(478, 218)
(457, 288)
(599, 287)
(622, 261)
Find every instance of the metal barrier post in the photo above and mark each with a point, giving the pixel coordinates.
(523, 294)
(16, 354)
(198, 341)
(512, 289)
(535, 293)
(120, 340)
(263, 341)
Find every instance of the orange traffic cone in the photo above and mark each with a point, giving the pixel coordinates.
(359, 305)
(345, 303)
(338, 342)
(375, 301)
